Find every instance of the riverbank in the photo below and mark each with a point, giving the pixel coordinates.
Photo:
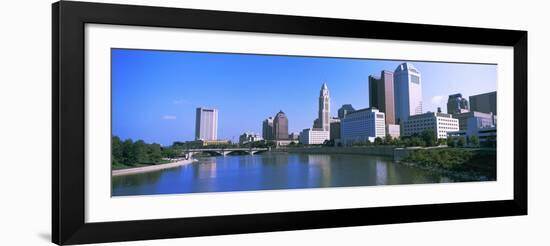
(150, 168)
(464, 164)
(368, 150)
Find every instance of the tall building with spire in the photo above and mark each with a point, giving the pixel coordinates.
(323, 120)
(321, 126)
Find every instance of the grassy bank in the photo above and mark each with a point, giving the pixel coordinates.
(473, 164)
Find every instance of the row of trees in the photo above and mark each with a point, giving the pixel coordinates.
(463, 141)
(130, 153)
(449, 159)
(425, 139)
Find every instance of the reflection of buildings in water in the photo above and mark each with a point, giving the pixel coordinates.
(281, 158)
(381, 172)
(320, 164)
(205, 168)
(246, 160)
(273, 158)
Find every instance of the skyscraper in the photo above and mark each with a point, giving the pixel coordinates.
(323, 120)
(407, 91)
(345, 109)
(381, 93)
(267, 129)
(206, 124)
(280, 126)
(486, 103)
(456, 104)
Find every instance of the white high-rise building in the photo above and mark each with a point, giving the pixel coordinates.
(206, 124)
(408, 92)
(362, 125)
(323, 120)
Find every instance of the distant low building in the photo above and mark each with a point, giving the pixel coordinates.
(249, 137)
(294, 136)
(487, 136)
(481, 125)
(362, 125)
(393, 130)
(283, 143)
(314, 136)
(439, 123)
(482, 119)
(205, 143)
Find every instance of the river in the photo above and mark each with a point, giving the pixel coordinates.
(270, 171)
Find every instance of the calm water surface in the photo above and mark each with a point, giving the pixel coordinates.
(273, 171)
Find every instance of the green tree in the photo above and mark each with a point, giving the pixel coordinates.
(129, 155)
(116, 150)
(416, 141)
(474, 140)
(329, 143)
(377, 141)
(405, 142)
(154, 152)
(461, 142)
(388, 140)
(450, 142)
(140, 149)
(169, 152)
(428, 137)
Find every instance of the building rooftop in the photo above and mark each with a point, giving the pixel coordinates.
(406, 66)
(371, 109)
(431, 114)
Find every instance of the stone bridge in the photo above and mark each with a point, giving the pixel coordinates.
(224, 151)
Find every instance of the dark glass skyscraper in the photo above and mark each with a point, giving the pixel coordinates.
(280, 126)
(267, 129)
(486, 103)
(381, 95)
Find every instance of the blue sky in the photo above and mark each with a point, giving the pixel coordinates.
(155, 93)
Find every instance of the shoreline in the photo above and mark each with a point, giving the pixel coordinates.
(135, 170)
(463, 175)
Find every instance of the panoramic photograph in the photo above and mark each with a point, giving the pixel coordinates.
(193, 122)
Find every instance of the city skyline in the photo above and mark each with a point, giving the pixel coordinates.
(247, 89)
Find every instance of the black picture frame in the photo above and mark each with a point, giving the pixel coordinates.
(68, 118)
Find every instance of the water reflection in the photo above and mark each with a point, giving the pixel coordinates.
(272, 171)
(381, 172)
